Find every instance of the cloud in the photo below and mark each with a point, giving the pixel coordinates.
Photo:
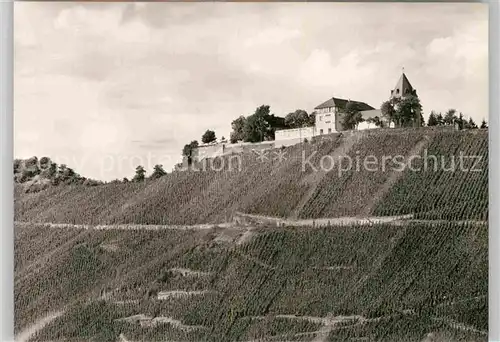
(94, 79)
(271, 36)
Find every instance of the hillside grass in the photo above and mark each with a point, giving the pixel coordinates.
(274, 187)
(372, 271)
(436, 192)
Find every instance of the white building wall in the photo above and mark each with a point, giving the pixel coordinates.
(284, 134)
(208, 151)
(221, 149)
(325, 121)
(288, 137)
(365, 125)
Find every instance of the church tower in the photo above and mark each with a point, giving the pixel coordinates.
(403, 88)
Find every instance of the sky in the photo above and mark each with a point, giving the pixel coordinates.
(104, 87)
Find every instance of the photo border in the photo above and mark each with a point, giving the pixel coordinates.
(494, 180)
(6, 155)
(6, 182)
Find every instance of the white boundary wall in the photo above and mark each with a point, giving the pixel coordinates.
(217, 150)
(288, 137)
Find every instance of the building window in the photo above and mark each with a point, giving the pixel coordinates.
(327, 121)
(328, 115)
(320, 118)
(320, 131)
(397, 91)
(329, 130)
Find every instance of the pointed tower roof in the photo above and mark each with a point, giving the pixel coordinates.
(403, 87)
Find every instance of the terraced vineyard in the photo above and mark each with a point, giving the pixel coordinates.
(288, 186)
(439, 193)
(119, 262)
(371, 281)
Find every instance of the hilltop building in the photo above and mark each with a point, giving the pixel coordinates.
(329, 115)
(328, 120)
(403, 88)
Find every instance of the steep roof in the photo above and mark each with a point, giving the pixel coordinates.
(341, 103)
(404, 86)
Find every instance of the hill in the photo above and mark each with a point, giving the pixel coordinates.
(293, 185)
(267, 250)
(383, 282)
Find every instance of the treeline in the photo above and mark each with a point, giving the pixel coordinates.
(450, 118)
(140, 174)
(257, 127)
(45, 171)
(262, 125)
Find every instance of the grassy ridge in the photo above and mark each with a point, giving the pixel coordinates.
(376, 271)
(435, 193)
(274, 187)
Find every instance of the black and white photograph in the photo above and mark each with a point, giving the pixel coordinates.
(243, 172)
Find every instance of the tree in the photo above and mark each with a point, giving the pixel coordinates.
(440, 119)
(188, 151)
(238, 133)
(17, 165)
(351, 116)
(450, 117)
(140, 174)
(45, 163)
(389, 111)
(158, 172)
(275, 123)
(433, 121)
(461, 121)
(67, 175)
(408, 111)
(265, 123)
(297, 119)
(484, 124)
(256, 128)
(31, 168)
(50, 172)
(208, 137)
(471, 124)
(125, 180)
(312, 119)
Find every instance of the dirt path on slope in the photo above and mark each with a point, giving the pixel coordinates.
(27, 333)
(260, 220)
(123, 338)
(314, 179)
(164, 295)
(144, 320)
(185, 272)
(460, 326)
(393, 178)
(207, 226)
(329, 323)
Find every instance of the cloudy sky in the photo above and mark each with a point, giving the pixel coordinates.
(105, 87)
